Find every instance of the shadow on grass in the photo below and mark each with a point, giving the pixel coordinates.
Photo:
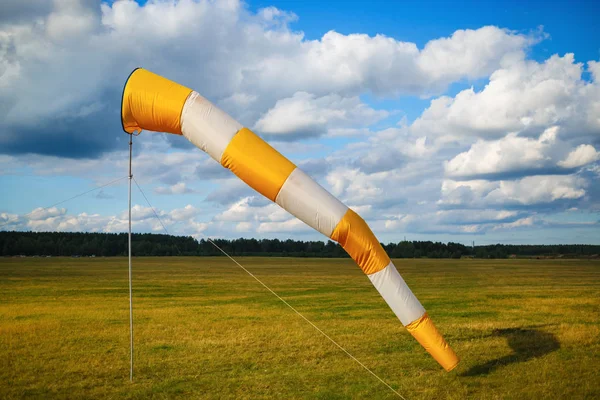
(525, 343)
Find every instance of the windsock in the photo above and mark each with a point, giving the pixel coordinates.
(154, 103)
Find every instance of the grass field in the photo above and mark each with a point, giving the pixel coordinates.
(524, 329)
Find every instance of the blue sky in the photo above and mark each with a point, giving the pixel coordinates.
(571, 25)
(435, 121)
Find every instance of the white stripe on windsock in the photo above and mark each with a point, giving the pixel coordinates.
(397, 294)
(308, 201)
(207, 126)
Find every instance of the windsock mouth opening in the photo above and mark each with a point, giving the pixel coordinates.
(123, 100)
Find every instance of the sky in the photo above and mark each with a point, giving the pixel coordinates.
(464, 121)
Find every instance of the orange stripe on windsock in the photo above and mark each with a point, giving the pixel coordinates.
(427, 334)
(257, 163)
(355, 236)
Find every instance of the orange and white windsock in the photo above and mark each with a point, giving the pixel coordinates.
(151, 102)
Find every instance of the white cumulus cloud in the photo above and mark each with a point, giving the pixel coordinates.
(510, 154)
(304, 114)
(529, 190)
(523, 96)
(178, 188)
(582, 155)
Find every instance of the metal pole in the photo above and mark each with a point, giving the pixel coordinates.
(130, 288)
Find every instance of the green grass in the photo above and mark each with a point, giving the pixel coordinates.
(524, 329)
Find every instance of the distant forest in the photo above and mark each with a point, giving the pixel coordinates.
(148, 244)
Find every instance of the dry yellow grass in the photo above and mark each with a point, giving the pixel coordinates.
(205, 329)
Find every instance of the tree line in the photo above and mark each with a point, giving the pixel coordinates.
(149, 244)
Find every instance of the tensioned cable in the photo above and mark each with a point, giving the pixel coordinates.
(155, 214)
(151, 207)
(280, 298)
(71, 198)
